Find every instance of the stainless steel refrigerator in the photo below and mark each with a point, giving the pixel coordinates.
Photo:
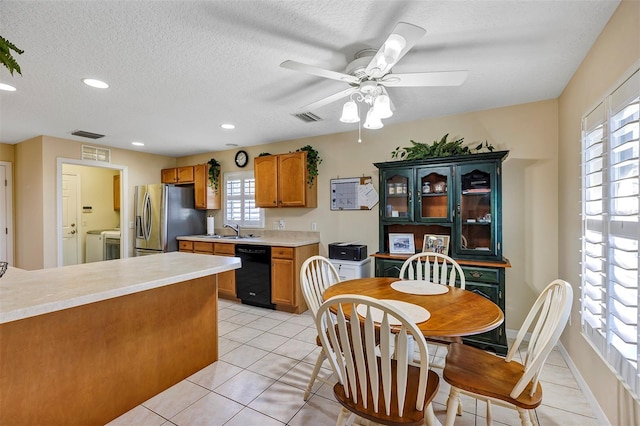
(164, 212)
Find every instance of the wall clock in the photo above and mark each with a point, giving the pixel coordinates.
(242, 158)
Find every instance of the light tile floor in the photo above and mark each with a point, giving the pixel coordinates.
(266, 358)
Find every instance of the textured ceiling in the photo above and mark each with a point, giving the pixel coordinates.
(177, 70)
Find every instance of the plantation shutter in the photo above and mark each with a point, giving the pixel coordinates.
(610, 217)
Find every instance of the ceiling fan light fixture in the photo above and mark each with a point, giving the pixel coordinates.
(373, 121)
(382, 106)
(350, 113)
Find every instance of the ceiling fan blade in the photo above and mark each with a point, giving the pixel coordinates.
(310, 69)
(425, 79)
(399, 42)
(329, 99)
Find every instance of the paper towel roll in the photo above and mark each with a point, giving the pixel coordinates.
(210, 227)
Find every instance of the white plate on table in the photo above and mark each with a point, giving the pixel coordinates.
(419, 287)
(416, 313)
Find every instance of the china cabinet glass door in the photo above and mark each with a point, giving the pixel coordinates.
(433, 195)
(477, 210)
(398, 190)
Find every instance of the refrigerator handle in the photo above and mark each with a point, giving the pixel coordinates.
(146, 220)
(139, 232)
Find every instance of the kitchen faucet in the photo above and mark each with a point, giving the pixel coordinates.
(234, 227)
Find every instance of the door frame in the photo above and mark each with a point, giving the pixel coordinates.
(124, 204)
(9, 212)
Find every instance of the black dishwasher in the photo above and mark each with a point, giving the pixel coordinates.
(253, 279)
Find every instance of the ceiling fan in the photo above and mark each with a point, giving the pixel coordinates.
(369, 74)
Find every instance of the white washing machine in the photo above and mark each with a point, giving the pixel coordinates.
(94, 247)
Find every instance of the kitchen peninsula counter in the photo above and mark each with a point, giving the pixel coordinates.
(83, 344)
(25, 294)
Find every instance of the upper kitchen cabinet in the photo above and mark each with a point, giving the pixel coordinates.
(178, 175)
(458, 196)
(206, 197)
(281, 181)
(116, 192)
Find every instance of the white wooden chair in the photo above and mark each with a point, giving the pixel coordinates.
(439, 269)
(376, 380)
(316, 275)
(503, 381)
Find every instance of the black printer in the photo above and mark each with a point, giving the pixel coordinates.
(345, 251)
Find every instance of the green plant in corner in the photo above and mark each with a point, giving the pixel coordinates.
(313, 159)
(214, 173)
(7, 58)
(441, 148)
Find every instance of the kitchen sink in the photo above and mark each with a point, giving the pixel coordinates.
(229, 237)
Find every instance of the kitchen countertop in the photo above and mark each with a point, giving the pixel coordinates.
(269, 238)
(24, 294)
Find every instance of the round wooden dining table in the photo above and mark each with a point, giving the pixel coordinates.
(454, 313)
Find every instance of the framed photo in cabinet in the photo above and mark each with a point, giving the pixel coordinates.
(401, 244)
(436, 244)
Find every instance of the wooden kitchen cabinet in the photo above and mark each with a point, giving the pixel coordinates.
(286, 262)
(116, 192)
(185, 246)
(226, 280)
(183, 174)
(281, 181)
(203, 247)
(282, 276)
(206, 198)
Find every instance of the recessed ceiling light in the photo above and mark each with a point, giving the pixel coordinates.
(7, 88)
(230, 144)
(95, 83)
(137, 143)
(228, 126)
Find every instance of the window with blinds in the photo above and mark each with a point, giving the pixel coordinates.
(610, 230)
(240, 200)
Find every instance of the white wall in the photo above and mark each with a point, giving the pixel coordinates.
(613, 54)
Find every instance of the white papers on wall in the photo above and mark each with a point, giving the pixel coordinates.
(353, 194)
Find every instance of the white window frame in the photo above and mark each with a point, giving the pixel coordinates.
(610, 298)
(244, 199)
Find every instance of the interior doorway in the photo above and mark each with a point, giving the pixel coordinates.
(101, 196)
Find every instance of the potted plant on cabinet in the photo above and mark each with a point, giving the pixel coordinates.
(214, 173)
(441, 148)
(313, 159)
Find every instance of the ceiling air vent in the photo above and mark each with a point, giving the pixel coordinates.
(86, 134)
(308, 117)
(95, 153)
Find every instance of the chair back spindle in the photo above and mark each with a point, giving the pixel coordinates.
(432, 267)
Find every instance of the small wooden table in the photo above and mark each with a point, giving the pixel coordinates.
(455, 313)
